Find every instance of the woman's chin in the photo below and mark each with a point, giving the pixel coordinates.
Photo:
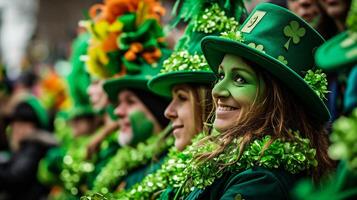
(180, 145)
(221, 125)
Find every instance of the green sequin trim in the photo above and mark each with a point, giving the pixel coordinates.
(213, 19)
(184, 61)
(318, 82)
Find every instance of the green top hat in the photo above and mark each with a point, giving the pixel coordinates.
(187, 64)
(136, 81)
(78, 79)
(341, 50)
(127, 43)
(281, 43)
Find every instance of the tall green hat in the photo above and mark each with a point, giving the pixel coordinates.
(127, 43)
(187, 64)
(341, 50)
(79, 79)
(281, 43)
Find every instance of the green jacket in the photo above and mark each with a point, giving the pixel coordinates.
(251, 184)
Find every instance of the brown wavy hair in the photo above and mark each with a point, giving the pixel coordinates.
(276, 113)
(202, 104)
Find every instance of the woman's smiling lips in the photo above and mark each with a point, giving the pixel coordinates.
(224, 110)
(176, 129)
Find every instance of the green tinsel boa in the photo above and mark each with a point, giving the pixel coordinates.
(128, 158)
(184, 173)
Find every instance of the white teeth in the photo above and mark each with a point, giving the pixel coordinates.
(226, 108)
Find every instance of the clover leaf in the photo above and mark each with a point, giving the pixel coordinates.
(294, 32)
(282, 59)
(258, 47)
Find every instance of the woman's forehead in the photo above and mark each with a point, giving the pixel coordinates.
(233, 62)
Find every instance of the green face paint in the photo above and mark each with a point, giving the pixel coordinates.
(237, 87)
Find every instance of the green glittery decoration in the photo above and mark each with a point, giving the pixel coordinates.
(181, 170)
(233, 35)
(75, 167)
(318, 82)
(128, 158)
(214, 19)
(344, 137)
(184, 61)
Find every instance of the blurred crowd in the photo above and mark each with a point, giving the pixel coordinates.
(102, 120)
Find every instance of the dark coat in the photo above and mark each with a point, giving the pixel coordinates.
(256, 183)
(18, 176)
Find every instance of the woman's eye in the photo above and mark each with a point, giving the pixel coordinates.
(220, 76)
(130, 101)
(239, 80)
(182, 97)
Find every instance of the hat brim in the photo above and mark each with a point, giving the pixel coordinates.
(113, 86)
(332, 55)
(163, 83)
(81, 111)
(215, 48)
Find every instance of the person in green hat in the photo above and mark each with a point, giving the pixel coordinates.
(29, 141)
(81, 115)
(337, 11)
(127, 49)
(69, 160)
(342, 48)
(186, 78)
(340, 54)
(268, 109)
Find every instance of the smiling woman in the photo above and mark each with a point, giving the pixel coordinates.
(189, 108)
(269, 112)
(235, 91)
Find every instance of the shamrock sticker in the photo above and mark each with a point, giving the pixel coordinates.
(294, 32)
(282, 59)
(258, 47)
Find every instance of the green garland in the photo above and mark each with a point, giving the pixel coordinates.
(344, 137)
(128, 158)
(233, 35)
(182, 172)
(318, 82)
(184, 61)
(214, 19)
(75, 167)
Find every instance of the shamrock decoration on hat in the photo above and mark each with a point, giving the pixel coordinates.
(127, 43)
(282, 44)
(187, 64)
